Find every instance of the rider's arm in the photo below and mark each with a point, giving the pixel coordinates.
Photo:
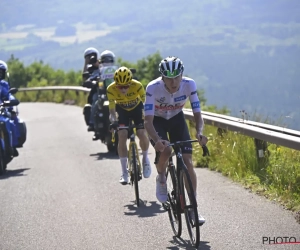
(112, 104)
(149, 107)
(113, 116)
(199, 122)
(148, 123)
(195, 104)
(141, 92)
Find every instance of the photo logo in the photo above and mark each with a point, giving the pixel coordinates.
(281, 240)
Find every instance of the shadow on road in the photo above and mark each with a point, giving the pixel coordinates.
(144, 210)
(186, 244)
(106, 155)
(13, 173)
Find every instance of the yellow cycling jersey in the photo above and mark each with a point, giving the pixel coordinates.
(129, 101)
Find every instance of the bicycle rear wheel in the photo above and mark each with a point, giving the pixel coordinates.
(172, 205)
(135, 173)
(189, 205)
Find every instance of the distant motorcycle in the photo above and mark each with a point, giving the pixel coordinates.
(6, 140)
(21, 126)
(101, 115)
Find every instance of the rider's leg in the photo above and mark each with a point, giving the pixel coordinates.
(144, 144)
(187, 158)
(137, 115)
(93, 110)
(122, 151)
(180, 132)
(161, 164)
(123, 120)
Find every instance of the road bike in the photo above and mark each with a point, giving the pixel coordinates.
(134, 166)
(181, 196)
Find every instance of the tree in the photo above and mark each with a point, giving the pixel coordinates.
(18, 76)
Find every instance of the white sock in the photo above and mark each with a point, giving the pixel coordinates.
(124, 164)
(145, 156)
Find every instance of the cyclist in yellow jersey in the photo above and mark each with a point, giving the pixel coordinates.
(126, 97)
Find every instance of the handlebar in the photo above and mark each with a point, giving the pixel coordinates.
(10, 103)
(180, 143)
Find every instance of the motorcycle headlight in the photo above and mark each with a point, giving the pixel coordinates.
(106, 103)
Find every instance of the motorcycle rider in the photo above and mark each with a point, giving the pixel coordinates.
(107, 70)
(91, 58)
(102, 66)
(6, 96)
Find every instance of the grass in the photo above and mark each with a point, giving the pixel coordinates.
(276, 176)
(58, 96)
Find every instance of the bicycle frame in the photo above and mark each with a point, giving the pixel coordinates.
(134, 164)
(179, 165)
(177, 199)
(132, 143)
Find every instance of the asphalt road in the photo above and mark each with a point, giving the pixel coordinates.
(62, 192)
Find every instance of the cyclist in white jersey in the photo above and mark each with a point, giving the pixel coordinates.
(165, 98)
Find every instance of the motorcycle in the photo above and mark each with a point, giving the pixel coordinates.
(101, 114)
(7, 152)
(21, 125)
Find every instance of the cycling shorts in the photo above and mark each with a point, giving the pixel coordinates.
(136, 114)
(177, 129)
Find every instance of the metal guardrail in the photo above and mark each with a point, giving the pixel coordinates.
(66, 88)
(273, 134)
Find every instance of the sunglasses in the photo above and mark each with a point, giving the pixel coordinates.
(170, 74)
(123, 87)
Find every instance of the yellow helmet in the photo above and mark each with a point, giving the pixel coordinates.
(123, 76)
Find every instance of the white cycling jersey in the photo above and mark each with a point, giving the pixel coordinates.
(107, 72)
(159, 102)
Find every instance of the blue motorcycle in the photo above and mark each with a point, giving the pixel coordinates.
(7, 151)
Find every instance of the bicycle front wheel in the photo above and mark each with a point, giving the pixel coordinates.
(189, 206)
(135, 173)
(172, 205)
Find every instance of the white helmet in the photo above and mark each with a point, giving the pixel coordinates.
(107, 56)
(3, 65)
(171, 67)
(90, 51)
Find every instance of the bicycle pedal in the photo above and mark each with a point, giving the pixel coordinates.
(166, 206)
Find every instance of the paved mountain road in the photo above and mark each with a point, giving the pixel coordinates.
(62, 192)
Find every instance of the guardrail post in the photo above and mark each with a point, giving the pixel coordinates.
(65, 93)
(38, 95)
(221, 131)
(262, 155)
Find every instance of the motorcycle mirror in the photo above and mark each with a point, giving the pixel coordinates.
(85, 74)
(133, 71)
(11, 103)
(13, 90)
(87, 84)
(90, 68)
